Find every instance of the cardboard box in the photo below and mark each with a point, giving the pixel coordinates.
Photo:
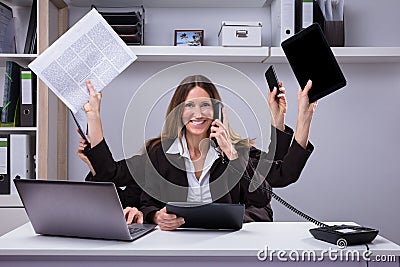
(240, 33)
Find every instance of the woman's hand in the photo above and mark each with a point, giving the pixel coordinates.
(167, 221)
(306, 111)
(92, 110)
(82, 155)
(133, 215)
(219, 131)
(278, 106)
(92, 107)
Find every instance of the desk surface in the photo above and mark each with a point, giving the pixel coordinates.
(286, 236)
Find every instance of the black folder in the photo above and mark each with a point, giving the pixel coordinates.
(30, 43)
(27, 109)
(4, 164)
(10, 114)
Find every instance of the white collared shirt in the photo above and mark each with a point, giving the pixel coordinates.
(199, 190)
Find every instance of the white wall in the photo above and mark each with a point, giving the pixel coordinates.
(353, 173)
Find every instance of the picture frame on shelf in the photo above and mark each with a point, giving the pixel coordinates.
(189, 38)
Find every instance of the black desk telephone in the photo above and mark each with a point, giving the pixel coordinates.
(341, 235)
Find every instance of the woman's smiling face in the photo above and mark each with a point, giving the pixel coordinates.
(197, 112)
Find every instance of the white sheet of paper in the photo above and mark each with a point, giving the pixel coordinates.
(89, 50)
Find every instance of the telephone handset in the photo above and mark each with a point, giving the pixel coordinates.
(217, 108)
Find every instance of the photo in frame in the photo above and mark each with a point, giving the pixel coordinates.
(189, 38)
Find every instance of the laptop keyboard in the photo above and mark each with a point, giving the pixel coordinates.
(135, 230)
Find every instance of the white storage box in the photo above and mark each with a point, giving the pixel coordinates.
(240, 33)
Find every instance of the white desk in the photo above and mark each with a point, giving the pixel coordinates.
(22, 247)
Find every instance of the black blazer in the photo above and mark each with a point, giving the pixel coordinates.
(163, 176)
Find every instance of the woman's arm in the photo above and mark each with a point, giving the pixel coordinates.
(103, 167)
(305, 114)
(92, 110)
(95, 129)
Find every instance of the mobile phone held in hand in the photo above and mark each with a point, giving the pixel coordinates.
(271, 78)
(217, 106)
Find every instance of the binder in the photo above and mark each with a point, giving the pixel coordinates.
(7, 29)
(4, 165)
(27, 108)
(10, 114)
(2, 82)
(21, 158)
(282, 20)
(307, 19)
(298, 15)
(30, 43)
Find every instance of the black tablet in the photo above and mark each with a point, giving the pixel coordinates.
(311, 57)
(216, 216)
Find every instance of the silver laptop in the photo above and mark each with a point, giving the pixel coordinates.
(77, 209)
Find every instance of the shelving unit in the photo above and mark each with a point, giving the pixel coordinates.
(45, 137)
(20, 7)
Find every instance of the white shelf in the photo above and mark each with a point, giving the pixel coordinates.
(21, 59)
(17, 129)
(171, 3)
(202, 53)
(10, 201)
(259, 54)
(349, 55)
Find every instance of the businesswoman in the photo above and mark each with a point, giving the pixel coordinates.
(182, 164)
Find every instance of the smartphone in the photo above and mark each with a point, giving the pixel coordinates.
(271, 78)
(217, 107)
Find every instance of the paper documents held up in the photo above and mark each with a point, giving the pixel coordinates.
(89, 50)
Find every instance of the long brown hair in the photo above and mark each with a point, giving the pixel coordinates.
(173, 124)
